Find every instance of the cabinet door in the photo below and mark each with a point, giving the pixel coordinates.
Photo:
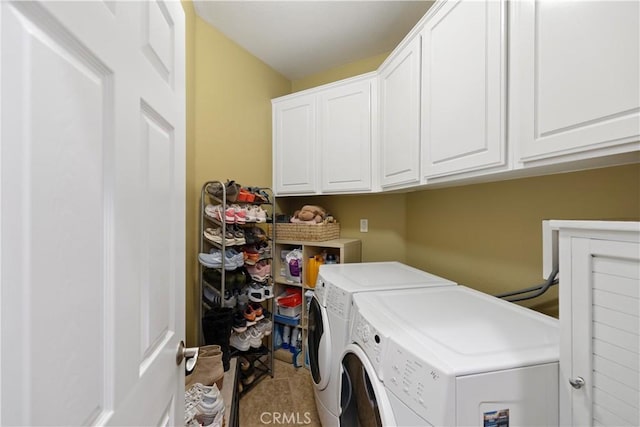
(399, 83)
(345, 137)
(463, 87)
(294, 145)
(574, 77)
(599, 312)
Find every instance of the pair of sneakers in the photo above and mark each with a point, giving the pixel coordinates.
(259, 292)
(215, 235)
(203, 405)
(260, 271)
(253, 312)
(251, 338)
(255, 214)
(232, 259)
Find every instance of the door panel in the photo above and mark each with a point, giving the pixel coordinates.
(562, 103)
(600, 331)
(294, 148)
(345, 137)
(92, 219)
(463, 81)
(399, 83)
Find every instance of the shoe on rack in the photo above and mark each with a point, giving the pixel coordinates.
(265, 326)
(230, 215)
(249, 314)
(268, 291)
(214, 211)
(233, 259)
(244, 195)
(244, 364)
(240, 340)
(260, 195)
(230, 188)
(239, 214)
(257, 308)
(239, 322)
(261, 215)
(229, 299)
(260, 271)
(238, 235)
(215, 235)
(210, 297)
(256, 292)
(255, 337)
(212, 259)
(251, 212)
(251, 255)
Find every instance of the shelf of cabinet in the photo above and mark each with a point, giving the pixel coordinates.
(345, 250)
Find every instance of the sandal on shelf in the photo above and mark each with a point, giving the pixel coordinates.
(230, 187)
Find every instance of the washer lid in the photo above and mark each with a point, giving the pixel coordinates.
(460, 330)
(358, 277)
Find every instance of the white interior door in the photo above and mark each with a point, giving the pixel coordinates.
(92, 212)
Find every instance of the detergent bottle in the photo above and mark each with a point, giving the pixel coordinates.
(313, 266)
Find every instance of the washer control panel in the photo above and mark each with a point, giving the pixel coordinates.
(421, 386)
(338, 300)
(370, 340)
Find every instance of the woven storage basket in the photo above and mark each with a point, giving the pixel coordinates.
(307, 232)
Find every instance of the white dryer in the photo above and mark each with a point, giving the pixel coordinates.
(330, 316)
(453, 356)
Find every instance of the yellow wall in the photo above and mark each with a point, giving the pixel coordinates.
(339, 73)
(386, 214)
(229, 94)
(488, 236)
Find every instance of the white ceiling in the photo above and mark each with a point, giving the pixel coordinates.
(301, 37)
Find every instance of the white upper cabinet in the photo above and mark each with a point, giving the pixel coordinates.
(294, 145)
(323, 138)
(345, 134)
(463, 87)
(399, 85)
(575, 78)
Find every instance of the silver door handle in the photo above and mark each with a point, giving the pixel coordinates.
(576, 382)
(189, 353)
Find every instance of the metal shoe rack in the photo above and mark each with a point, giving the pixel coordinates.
(262, 358)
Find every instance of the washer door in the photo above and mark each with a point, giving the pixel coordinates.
(363, 398)
(319, 344)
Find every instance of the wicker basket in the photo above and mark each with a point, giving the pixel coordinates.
(306, 232)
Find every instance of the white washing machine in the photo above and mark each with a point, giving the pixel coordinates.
(330, 316)
(453, 356)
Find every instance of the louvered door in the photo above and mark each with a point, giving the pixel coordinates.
(600, 319)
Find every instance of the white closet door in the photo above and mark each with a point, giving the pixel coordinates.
(92, 156)
(463, 88)
(574, 85)
(345, 137)
(600, 323)
(399, 85)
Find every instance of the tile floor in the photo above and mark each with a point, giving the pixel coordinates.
(284, 400)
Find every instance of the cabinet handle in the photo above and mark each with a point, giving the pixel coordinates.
(576, 382)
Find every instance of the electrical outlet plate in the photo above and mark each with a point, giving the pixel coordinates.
(364, 225)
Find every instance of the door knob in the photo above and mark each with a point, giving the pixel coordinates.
(576, 382)
(189, 353)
